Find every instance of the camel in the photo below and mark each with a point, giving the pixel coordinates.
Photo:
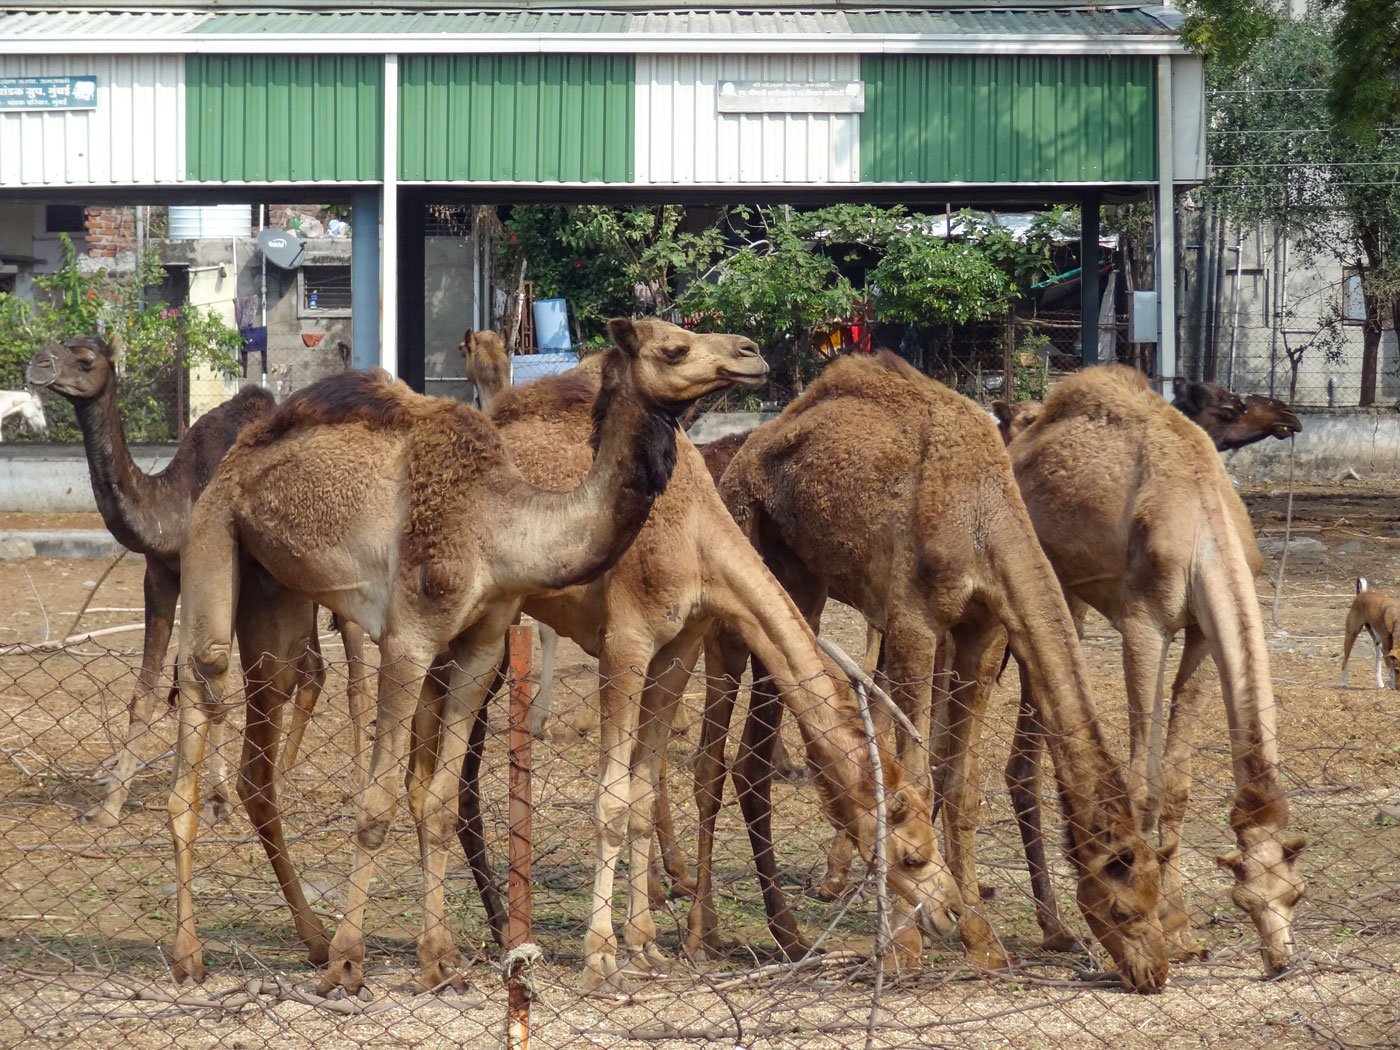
(1137, 516)
(488, 365)
(150, 514)
(886, 490)
(689, 572)
(1230, 421)
(390, 509)
(27, 406)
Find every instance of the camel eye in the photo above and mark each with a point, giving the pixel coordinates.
(1119, 866)
(86, 363)
(674, 353)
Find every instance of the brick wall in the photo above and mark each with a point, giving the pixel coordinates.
(110, 231)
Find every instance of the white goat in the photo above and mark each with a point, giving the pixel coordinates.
(27, 406)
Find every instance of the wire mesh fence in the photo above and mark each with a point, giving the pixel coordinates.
(87, 914)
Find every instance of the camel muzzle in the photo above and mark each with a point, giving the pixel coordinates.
(42, 370)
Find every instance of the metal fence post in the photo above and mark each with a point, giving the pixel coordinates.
(521, 648)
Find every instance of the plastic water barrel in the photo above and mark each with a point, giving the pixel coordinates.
(212, 220)
(552, 324)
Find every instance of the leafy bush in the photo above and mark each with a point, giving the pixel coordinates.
(73, 303)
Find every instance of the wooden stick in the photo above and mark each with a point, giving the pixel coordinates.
(856, 674)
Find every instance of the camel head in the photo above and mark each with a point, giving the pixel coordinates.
(1119, 892)
(1231, 421)
(31, 411)
(80, 369)
(673, 367)
(1014, 417)
(487, 364)
(1267, 888)
(917, 871)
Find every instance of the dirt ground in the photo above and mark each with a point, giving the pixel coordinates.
(86, 916)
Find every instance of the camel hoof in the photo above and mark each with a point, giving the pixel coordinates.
(683, 887)
(614, 985)
(791, 774)
(342, 981)
(216, 812)
(189, 970)
(988, 957)
(98, 817)
(651, 959)
(1063, 941)
(828, 889)
(1189, 950)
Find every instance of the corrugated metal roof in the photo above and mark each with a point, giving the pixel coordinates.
(813, 20)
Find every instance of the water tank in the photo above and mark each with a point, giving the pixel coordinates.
(211, 220)
(552, 324)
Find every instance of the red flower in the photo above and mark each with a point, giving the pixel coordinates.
(92, 294)
(578, 264)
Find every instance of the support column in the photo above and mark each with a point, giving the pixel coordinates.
(413, 279)
(364, 278)
(1166, 230)
(1089, 278)
(389, 262)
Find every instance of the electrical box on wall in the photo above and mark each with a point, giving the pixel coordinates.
(1142, 317)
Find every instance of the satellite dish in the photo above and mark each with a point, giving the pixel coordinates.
(282, 247)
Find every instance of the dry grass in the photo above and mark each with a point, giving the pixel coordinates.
(80, 908)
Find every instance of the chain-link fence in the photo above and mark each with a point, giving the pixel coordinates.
(87, 915)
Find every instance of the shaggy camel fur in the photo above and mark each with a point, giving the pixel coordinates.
(1230, 421)
(150, 514)
(885, 490)
(690, 571)
(1140, 522)
(390, 508)
(1379, 615)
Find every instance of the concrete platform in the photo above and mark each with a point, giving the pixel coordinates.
(58, 543)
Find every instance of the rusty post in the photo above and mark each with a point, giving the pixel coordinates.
(521, 643)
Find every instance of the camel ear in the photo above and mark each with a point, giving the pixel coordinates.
(467, 340)
(624, 335)
(897, 806)
(1188, 397)
(1294, 844)
(1002, 411)
(1232, 862)
(1178, 387)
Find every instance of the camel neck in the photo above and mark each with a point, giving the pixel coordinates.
(126, 496)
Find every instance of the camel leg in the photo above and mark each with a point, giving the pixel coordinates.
(725, 657)
(161, 589)
(1023, 781)
(753, 780)
(1145, 645)
(311, 682)
(1353, 632)
(677, 661)
(403, 664)
(620, 686)
(217, 795)
(359, 694)
(475, 659)
(471, 830)
(1187, 693)
(1379, 654)
(542, 706)
(272, 634)
(673, 860)
(962, 787)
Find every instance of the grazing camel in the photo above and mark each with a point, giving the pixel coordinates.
(407, 515)
(886, 490)
(488, 365)
(1138, 518)
(150, 515)
(689, 571)
(26, 406)
(1230, 421)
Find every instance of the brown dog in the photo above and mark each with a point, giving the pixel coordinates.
(1380, 616)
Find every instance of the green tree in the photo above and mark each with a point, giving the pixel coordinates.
(1364, 93)
(1279, 156)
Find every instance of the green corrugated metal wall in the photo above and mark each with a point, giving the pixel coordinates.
(975, 118)
(516, 118)
(255, 118)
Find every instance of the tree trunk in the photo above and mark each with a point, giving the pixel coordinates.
(1371, 329)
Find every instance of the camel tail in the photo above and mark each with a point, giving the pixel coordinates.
(1225, 604)
(1361, 585)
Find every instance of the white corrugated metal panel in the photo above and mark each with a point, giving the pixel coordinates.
(80, 22)
(135, 136)
(739, 22)
(682, 140)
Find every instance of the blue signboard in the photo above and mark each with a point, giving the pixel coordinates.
(43, 93)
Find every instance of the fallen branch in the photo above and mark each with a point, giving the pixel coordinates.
(857, 674)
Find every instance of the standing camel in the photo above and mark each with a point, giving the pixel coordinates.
(690, 571)
(404, 514)
(885, 490)
(150, 514)
(1140, 521)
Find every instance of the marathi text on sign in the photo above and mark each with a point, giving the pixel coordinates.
(42, 93)
(781, 96)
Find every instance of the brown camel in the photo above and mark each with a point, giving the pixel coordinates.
(689, 571)
(891, 493)
(487, 363)
(389, 508)
(1230, 421)
(150, 515)
(1135, 511)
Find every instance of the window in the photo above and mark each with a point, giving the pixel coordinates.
(65, 218)
(325, 291)
(1353, 300)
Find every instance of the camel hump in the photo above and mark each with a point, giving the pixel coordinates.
(1111, 391)
(549, 397)
(883, 374)
(1361, 585)
(368, 396)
